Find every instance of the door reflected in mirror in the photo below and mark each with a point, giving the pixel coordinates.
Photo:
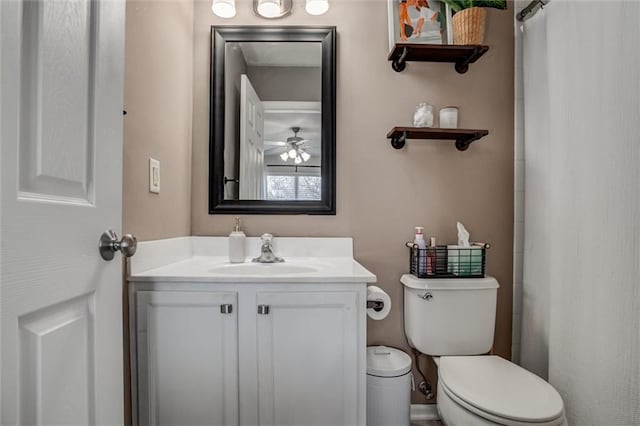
(273, 120)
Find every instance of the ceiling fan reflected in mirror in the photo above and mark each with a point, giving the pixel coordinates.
(294, 148)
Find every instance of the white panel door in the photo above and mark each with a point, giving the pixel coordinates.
(252, 169)
(61, 94)
(308, 358)
(187, 353)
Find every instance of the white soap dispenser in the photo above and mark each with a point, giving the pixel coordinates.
(237, 240)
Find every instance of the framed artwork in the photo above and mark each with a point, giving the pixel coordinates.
(418, 21)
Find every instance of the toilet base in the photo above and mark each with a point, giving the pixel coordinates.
(452, 414)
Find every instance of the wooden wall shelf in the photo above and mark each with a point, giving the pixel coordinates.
(460, 55)
(462, 137)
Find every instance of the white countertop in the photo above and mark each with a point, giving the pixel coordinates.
(218, 269)
(199, 259)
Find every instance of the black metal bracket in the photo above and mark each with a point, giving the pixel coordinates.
(463, 139)
(398, 142)
(463, 66)
(463, 143)
(400, 64)
(460, 55)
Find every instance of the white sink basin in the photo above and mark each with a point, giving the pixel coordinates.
(262, 269)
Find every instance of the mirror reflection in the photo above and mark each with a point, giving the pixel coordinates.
(273, 117)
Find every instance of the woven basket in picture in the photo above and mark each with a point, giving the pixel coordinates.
(468, 26)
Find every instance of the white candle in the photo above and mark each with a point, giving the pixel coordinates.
(449, 118)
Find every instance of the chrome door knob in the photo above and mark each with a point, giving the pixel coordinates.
(109, 244)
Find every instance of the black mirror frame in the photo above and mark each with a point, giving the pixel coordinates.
(219, 36)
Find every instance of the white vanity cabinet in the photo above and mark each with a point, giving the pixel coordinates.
(187, 358)
(248, 354)
(308, 354)
(245, 344)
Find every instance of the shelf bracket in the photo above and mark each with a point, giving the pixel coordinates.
(463, 143)
(400, 64)
(462, 67)
(399, 141)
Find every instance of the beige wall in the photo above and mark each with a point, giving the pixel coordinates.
(235, 66)
(158, 101)
(287, 83)
(384, 193)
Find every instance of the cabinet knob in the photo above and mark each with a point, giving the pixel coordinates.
(226, 309)
(263, 309)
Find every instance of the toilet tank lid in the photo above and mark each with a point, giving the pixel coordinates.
(411, 281)
(383, 361)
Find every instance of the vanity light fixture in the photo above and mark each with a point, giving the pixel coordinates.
(272, 9)
(269, 8)
(224, 8)
(317, 7)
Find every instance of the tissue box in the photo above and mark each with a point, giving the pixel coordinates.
(465, 261)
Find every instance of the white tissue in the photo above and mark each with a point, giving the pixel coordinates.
(463, 236)
(377, 294)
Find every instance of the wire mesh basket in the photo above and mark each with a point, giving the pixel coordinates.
(448, 261)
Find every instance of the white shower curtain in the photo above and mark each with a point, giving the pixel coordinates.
(581, 297)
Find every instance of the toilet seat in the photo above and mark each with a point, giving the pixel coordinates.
(500, 391)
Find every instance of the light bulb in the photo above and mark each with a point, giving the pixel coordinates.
(298, 160)
(317, 7)
(293, 153)
(269, 8)
(305, 156)
(224, 8)
(284, 156)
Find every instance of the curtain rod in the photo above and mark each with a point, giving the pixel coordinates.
(531, 9)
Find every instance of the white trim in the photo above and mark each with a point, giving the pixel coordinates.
(290, 170)
(420, 412)
(292, 107)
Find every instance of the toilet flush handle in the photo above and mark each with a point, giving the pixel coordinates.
(427, 296)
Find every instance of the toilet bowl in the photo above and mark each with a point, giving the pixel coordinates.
(489, 390)
(453, 321)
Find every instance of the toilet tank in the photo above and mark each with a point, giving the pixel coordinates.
(450, 316)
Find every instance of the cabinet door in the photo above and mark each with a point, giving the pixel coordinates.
(307, 358)
(187, 358)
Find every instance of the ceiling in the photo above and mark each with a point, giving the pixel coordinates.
(282, 54)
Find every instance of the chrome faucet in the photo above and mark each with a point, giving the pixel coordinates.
(266, 254)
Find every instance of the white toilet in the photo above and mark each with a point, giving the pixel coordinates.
(453, 320)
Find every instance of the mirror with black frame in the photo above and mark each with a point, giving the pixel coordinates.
(272, 146)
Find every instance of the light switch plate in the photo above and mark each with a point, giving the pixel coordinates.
(154, 176)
